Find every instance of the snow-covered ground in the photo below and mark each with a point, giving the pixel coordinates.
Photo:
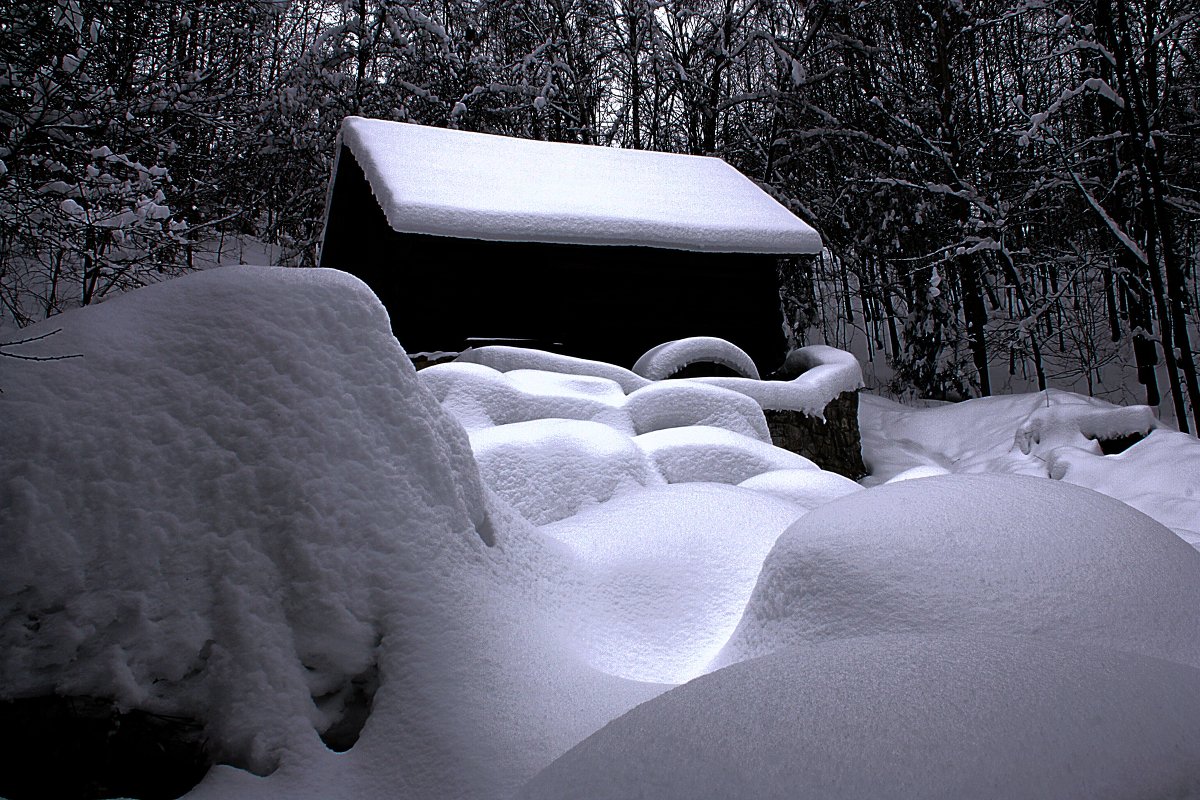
(240, 504)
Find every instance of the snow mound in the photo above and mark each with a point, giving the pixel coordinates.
(826, 373)
(664, 575)
(666, 359)
(1080, 425)
(923, 471)
(1051, 434)
(679, 404)
(931, 716)
(808, 488)
(480, 397)
(549, 469)
(474, 185)
(1159, 476)
(505, 359)
(702, 453)
(999, 554)
(194, 506)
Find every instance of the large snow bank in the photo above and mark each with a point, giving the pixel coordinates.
(1051, 434)
(664, 574)
(240, 499)
(998, 554)
(931, 716)
(190, 502)
(473, 185)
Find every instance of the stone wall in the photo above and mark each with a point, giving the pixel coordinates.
(834, 444)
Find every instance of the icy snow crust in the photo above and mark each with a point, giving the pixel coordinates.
(242, 497)
(474, 185)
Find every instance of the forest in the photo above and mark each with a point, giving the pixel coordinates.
(1002, 186)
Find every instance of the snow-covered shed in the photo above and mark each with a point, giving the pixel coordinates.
(595, 251)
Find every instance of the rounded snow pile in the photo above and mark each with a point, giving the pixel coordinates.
(203, 510)
(666, 359)
(1000, 554)
(930, 716)
(663, 574)
(551, 468)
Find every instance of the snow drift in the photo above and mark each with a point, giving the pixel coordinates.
(990, 553)
(930, 716)
(237, 505)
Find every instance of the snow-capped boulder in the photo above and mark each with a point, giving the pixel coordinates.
(702, 453)
(666, 359)
(958, 553)
(678, 404)
(480, 397)
(551, 468)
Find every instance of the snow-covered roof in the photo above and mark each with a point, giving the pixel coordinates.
(478, 186)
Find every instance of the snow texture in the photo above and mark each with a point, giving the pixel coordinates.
(665, 573)
(666, 359)
(701, 453)
(994, 554)
(480, 397)
(240, 498)
(506, 359)
(807, 488)
(473, 185)
(550, 469)
(216, 584)
(931, 716)
(1050, 434)
(826, 373)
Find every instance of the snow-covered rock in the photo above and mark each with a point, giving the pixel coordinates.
(550, 469)
(668, 358)
(679, 404)
(807, 488)
(994, 554)
(932, 716)
(702, 453)
(480, 397)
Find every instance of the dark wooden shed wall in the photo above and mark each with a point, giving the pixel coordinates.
(610, 303)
